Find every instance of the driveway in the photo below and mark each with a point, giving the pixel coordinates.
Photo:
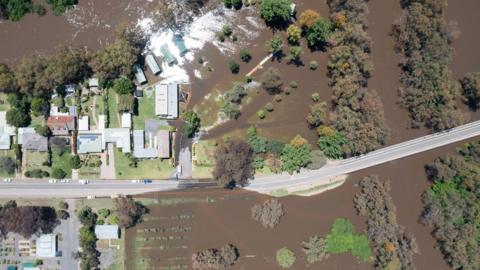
(185, 160)
(108, 171)
(69, 243)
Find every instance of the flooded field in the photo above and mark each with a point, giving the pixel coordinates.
(214, 217)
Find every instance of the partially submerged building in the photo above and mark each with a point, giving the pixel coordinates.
(180, 44)
(166, 101)
(167, 55)
(30, 140)
(152, 64)
(61, 125)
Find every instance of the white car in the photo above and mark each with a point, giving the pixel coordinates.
(52, 181)
(135, 181)
(83, 182)
(7, 180)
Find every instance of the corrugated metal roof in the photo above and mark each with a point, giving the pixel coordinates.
(152, 64)
(105, 232)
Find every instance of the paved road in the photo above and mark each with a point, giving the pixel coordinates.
(325, 174)
(31, 188)
(98, 188)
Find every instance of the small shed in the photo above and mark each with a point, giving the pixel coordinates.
(47, 246)
(178, 41)
(107, 232)
(167, 55)
(93, 82)
(83, 123)
(138, 93)
(152, 64)
(126, 120)
(139, 75)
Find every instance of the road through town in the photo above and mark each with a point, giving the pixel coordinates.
(305, 179)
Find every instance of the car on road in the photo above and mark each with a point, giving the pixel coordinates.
(52, 181)
(147, 181)
(7, 180)
(83, 181)
(135, 181)
(65, 181)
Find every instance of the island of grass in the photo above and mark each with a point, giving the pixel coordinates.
(342, 239)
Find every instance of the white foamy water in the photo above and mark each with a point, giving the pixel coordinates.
(201, 31)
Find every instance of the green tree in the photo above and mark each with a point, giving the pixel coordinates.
(7, 79)
(75, 162)
(192, 123)
(125, 103)
(7, 165)
(39, 106)
(87, 217)
(237, 4)
(258, 143)
(275, 12)
(331, 142)
(14, 10)
(274, 45)
(470, 86)
(123, 86)
(295, 156)
(295, 54)
(43, 130)
(17, 117)
(294, 34)
(285, 257)
(317, 35)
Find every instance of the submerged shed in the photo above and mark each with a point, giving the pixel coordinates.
(167, 55)
(152, 64)
(178, 41)
(139, 75)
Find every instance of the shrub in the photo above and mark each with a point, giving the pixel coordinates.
(237, 4)
(278, 98)
(227, 30)
(293, 84)
(221, 36)
(257, 143)
(7, 165)
(258, 163)
(271, 81)
(75, 162)
(318, 160)
(342, 239)
(58, 173)
(331, 142)
(123, 86)
(269, 213)
(60, 6)
(62, 214)
(261, 114)
(245, 56)
(234, 66)
(274, 45)
(315, 249)
(317, 115)
(228, 3)
(296, 155)
(236, 94)
(269, 107)
(214, 258)
(285, 257)
(295, 53)
(313, 65)
(192, 123)
(231, 110)
(316, 97)
(317, 35)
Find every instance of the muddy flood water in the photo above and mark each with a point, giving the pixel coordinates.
(214, 217)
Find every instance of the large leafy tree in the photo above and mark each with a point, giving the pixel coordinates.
(192, 123)
(317, 34)
(471, 89)
(275, 12)
(331, 142)
(296, 155)
(7, 79)
(233, 164)
(60, 6)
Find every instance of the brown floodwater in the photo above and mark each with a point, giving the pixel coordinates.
(221, 216)
(91, 23)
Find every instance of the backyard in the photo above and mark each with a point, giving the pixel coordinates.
(146, 108)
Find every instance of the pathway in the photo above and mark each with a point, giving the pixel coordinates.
(260, 65)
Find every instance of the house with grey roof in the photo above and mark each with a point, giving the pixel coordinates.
(30, 140)
(89, 142)
(151, 145)
(166, 101)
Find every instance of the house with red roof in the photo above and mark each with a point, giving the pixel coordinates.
(61, 125)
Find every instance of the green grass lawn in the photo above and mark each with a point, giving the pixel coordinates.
(35, 160)
(146, 109)
(204, 151)
(112, 109)
(37, 121)
(89, 172)
(62, 162)
(209, 108)
(7, 153)
(147, 168)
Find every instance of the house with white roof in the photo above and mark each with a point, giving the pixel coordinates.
(107, 232)
(126, 120)
(166, 101)
(46, 246)
(83, 123)
(6, 132)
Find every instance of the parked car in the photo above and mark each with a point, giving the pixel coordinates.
(136, 181)
(52, 181)
(83, 181)
(7, 180)
(147, 181)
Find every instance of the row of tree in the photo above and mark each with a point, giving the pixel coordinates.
(428, 90)
(392, 246)
(452, 204)
(357, 112)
